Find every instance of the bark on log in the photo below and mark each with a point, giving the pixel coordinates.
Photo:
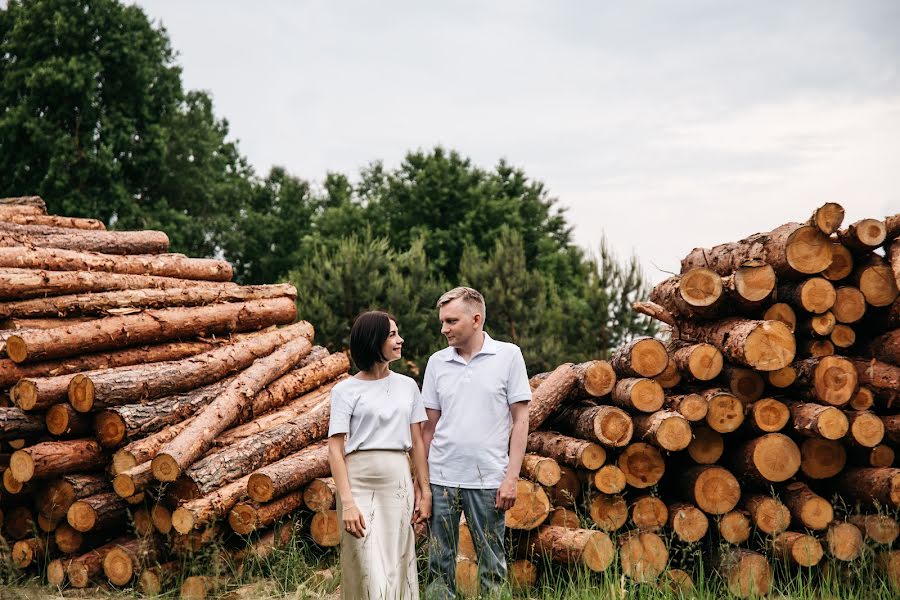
(866, 429)
(288, 474)
(876, 374)
(100, 511)
(841, 263)
(320, 494)
(821, 458)
(55, 498)
(52, 221)
(830, 379)
(814, 295)
(649, 513)
(144, 449)
(7, 211)
(698, 362)
(849, 305)
(808, 508)
(567, 490)
(593, 549)
(79, 571)
(799, 548)
(107, 242)
(20, 324)
(17, 424)
(641, 357)
(880, 529)
(886, 348)
(638, 394)
(63, 420)
(697, 293)
(643, 556)
(126, 301)
(707, 446)
(114, 387)
(540, 469)
(747, 574)
(595, 378)
(43, 384)
(247, 517)
(151, 326)
(607, 425)
(193, 441)
(49, 459)
(768, 415)
(690, 406)
(724, 413)
(712, 488)
(163, 265)
(816, 420)
(875, 279)
(642, 465)
(871, 486)
(792, 249)
(864, 235)
(687, 522)
(735, 527)
(574, 452)
(124, 562)
(608, 512)
(212, 506)
(550, 394)
(844, 541)
(20, 201)
(665, 428)
(771, 458)
(762, 345)
(531, 509)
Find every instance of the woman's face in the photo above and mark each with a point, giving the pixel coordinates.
(392, 348)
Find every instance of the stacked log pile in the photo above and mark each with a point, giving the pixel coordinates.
(141, 392)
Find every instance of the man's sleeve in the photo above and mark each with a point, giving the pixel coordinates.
(418, 408)
(429, 388)
(517, 387)
(339, 421)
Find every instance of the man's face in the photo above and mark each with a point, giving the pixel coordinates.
(458, 324)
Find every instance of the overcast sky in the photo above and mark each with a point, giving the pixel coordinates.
(665, 125)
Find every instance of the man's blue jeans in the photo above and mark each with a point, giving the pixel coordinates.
(486, 523)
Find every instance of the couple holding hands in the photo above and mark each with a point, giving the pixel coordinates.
(466, 433)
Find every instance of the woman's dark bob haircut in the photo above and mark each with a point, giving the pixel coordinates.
(367, 337)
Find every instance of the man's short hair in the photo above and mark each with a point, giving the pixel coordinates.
(470, 297)
(367, 336)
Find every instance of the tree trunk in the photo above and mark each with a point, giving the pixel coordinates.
(643, 556)
(768, 415)
(808, 508)
(814, 295)
(290, 473)
(707, 446)
(531, 509)
(638, 394)
(641, 357)
(699, 362)
(844, 541)
(574, 452)
(771, 458)
(690, 406)
(880, 529)
(864, 235)
(100, 511)
(595, 378)
(724, 413)
(113, 387)
(712, 488)
(25, 552)
(144, 449)
(886, 348)
(762, 345)
(317, 369)
(642, 464)
(871, 485)
(821, 458)
(540, 469)
(58, 495)
(63, 420)
(830, 379)
(320, 494)
(607, 425)
(148, 327)
(551, 394)
(592, 549)
(649, 513)
(82, 569)
(827, 218)
(747, 574)
(21, 284)
(792, 249)
(875, 279)
(687, 522)
(816, 420)
(107, 242)
(697, 293)
(193, 441)
(124, 562)
(866, 429)
(665, 428)
(16, 424)
(49, 459)
(608, 512)
(799, 548)
(246, 517)
(876, 374)
(41, 385)
(735, 527)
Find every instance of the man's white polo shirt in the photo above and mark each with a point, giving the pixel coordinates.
(470, 448)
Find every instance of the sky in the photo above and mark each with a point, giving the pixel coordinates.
(662, 125)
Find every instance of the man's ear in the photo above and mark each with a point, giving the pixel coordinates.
(478, 318)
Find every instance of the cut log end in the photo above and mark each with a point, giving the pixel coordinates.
(642, 465)
(770, 415)
(608, 512)
(649, 513)
(325, 528)
(754, 281)
(715, 490)
(260, 487)
(532, 506)
(821, 459)
(165, 467)
(725, 412)
(16, 348)
(776, 457)
(183, 520)
(609, 479)
(109, 428)
(707, 446)
(25, 394)
(688, 522)
(82, 516)
(770, 347)
(124, 485)
(835, 380)
(243, 519)
(844, 541)
(782, 378)
(643, 556)
(747, 574)
(56, 573)
(801, 549)
(118, 566)
(705, 362)
(783, 313)
(808, 250)
(849, 305)
(21, 467)
(735, 527)
(81, 393)
(866, 429)
(828, 217)
(841, 263)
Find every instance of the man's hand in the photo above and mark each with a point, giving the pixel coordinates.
(422, 511)
(506, 494)
(353, 521)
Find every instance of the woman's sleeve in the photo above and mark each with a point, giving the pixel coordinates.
(417, 415)
(339, 421)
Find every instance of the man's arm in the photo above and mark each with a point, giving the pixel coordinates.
(429, 426)
(518, 439)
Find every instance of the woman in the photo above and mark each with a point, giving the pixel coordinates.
(375, 421)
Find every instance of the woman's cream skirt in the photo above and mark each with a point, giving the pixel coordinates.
(382, 564)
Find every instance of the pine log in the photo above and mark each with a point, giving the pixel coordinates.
(843, 336)
(540, 469)
(595, 378)
(7, 211)
(690, 406)
(144, 449)
(783, 313)
(649, 513)
(881, 455)
(747, 574)
(782, 378)
(314, 371)
(161, 518)
(188, 544)
(560, 517)
(43, 384)
(724, 413)
(875, 280)
(531, 509)
(568, 489)
(821, 458)
(816, 349)
(762, 345)
(866, 429)
(696, 293)
(814, 295)
(63, 420)
(26, 552)
(550, 394)
(154, 580)
(320, 494)
(607, 425)
(56, 572)
(746, 384)
(574, 452)
(197, 437)
(163, 265)
(888, 563)
(698, 362)
(841, 263)
(201, 587)
(818, 325)
(844, 541)
(643, 556)
(641, 357)
(113, 387)
(99, 511)
(608, 479)
(19, 522)
(107, 242)
(886, 348)
(710, 487)
(642, 465)
(608, 512)
(466, 576)
(665, 428)
(792, 249)
(751, 286)
(735, 527)
(876, 374)
(67, 539)
(827, 218)
(771, 458)
(864, 235)
(687, 522)
(880, 529)
(830, 380)
(593, 549)
(707, 446)
(125, 561)
(816, 420)
(849, 305)
(522, 575)
(148, 327)
(677, 582)
(212, 506)
(892, 253)
(55, 498)
(669, 378)
(134, 480)
(871, 485)
(17, 424)
(288, 474)
(768, 415)
(82, 569)
(799, 548)
(53, 221)
(49, 459)
(808, 508)
(16, 323)
(21, 201)
(247, 517)
(11, 484)
(638, 394)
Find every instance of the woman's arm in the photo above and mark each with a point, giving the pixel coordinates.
(420, 465)
(352, 518)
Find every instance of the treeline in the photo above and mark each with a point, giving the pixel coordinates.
(97, 122)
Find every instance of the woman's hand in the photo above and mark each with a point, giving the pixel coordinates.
(353, 521)
(422, 511)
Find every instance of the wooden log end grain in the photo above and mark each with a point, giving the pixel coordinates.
(161, 518)
(642, 357)
(690, 406)
(61, 419)
(559, 517)
(81, 393)
(109, 429)
(841, 263)
(665, 428)
(770, 346)
(700, 287)
(843, 336)
(678, 583)
(325, 528)
(688, 522)
(642, 465)
(754, 282)
(704, 362)
(522, 575)
(25, 552)
(808, 250)
(320, 494)
(769, 415)
(714, 489)
(821, 458)
(849, 305)
(880, 529)
(56, 572)
(640, 394)
(243, 518)
(725, 412)
(540, 469)
(876, 282)
(863, 400)
(888, 563)
(782, 378)
(643, 556)
(649, 513)
(608, 512)
(866, 429)
(707, 446)
(746, 573)
(165, 467)
(808, 508)
(827, 218)
(609, 479)
(783, 313)
(735, 527)
(532, 506)
(881, 455)
(799, 548)
(844, 541)
(596, 378)
(119, 566)
(669, 378)
(746, 384)
(773, 457)
(835, 380)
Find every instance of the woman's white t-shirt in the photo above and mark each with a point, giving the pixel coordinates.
(376, 414)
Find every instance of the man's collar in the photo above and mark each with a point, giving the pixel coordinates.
(489, 346)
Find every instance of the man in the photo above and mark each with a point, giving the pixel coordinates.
(476, 396)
